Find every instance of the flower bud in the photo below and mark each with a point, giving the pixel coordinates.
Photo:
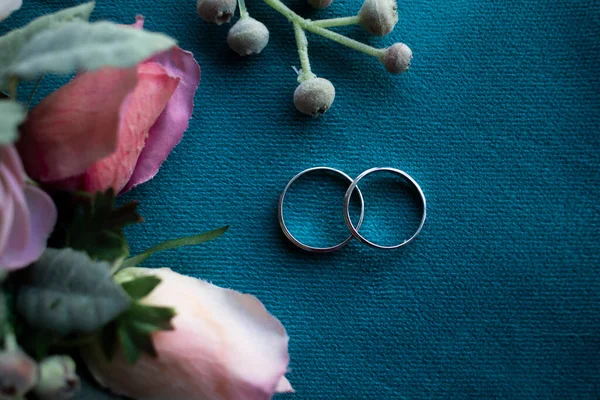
(57, 379)
(319, 4)
(397, 58)
(18, 374)
(248, 36)
(314, 96)
(216, 11)
(378, 16)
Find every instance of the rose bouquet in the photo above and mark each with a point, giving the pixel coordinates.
(73, 301)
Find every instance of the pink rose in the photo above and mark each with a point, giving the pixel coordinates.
(225, 346)
(112, 127)
(27, 214)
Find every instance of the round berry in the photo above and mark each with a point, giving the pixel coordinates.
(396, 58)
(248, 36)
(216, 11)
(378, 16)
(314, 96)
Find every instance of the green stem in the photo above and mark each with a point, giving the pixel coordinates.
(346, 41)
(281, 8)
(333, 22)
(13, 84)
(80, 341)
(243, 10)
(302, 44)
(10, 340)
(30, 182)
(117, 266)
(37, 85)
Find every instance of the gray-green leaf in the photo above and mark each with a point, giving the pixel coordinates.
(12, 42)
(11, 116)
(67, 292)
(87, 46)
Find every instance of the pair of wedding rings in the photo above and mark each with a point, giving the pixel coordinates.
(346, 210)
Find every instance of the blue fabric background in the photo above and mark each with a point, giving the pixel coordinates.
(498, 120)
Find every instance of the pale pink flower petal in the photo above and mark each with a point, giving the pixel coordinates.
(225, 346)
(8, 7)
(10, 157)
(139, 112)
(76, 125)
(27, 214)
(173, 122)
(13, 252)
(42, 217)
(284, 386)
(7, 215)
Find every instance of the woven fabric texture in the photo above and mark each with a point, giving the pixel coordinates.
(498, 120)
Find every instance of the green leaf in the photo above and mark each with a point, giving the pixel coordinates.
(67, 292)
(133, 331)
(11, 116)
(130, 347)
(173, 244)
(86, 46)
(12, 42)
(36, 343)
(109, 339)
(97, 226)
(141, 287)
(160, 317)
(141, 335)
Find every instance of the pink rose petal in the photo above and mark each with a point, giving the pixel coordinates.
(173, 122)
(6, 212)
(13, 253)
(95, 133)
(139, 113)
(76, 125)
(139, 22)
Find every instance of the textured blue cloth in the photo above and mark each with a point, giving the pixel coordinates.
(498, 120)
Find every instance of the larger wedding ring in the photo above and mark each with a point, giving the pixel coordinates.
(304, 246)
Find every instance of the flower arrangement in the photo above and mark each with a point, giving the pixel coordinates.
(72, 298)
(313, 96)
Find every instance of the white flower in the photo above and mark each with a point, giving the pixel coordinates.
(225, 346)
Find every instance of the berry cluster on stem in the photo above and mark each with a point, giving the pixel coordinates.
(313, 95)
